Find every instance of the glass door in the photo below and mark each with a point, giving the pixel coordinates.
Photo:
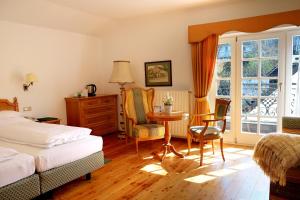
(259, 86)
(224, 79)
(292, 107)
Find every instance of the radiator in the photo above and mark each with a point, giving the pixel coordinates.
(182, 102)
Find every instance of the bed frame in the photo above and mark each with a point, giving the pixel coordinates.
(48, 180)
(26, 188)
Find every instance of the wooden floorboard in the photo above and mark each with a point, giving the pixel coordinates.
(132, 176)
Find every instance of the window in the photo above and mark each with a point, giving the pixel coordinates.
(223, 75)
(293, 75)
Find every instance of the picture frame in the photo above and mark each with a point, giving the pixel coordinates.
(158, 73)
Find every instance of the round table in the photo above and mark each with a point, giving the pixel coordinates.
(165, 118)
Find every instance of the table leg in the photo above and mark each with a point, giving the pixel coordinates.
(167, 146)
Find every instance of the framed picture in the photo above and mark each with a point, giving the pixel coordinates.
(158, 73)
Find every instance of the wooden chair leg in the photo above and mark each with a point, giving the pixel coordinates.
(213, 148)
(189, 141)
(137, 145)
(201, 144)
(221, 145)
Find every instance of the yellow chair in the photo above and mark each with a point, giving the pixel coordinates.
(204, 133)
(137, 103)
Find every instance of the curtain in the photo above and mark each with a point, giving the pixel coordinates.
(203, 63)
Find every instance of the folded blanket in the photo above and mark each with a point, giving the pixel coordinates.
(24, 131)
(7, 154)
(276, 153)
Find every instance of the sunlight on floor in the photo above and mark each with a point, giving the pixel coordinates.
(232, 156)
(196, 149)
(191, 157)
(147, 157)
(221, 172)
(242, 166)
(200, 179)
(247, 152)
(232, 150)
(155, 169)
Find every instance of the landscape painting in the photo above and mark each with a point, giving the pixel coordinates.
(158, 73)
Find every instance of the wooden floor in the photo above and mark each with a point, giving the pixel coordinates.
(129, 176)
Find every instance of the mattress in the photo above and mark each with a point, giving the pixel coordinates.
(48, 158)
(18, 167)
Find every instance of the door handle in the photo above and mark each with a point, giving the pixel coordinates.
(280, 84)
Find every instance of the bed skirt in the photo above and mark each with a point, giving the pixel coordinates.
(24, 189)
(58, 176)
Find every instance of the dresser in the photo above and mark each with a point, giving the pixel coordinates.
(98, 113)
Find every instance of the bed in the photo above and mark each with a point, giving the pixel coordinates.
(53, 168)
(18, 180)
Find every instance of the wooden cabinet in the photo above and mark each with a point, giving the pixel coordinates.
(98, 113)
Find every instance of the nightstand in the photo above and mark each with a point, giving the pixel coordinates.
(49, 120)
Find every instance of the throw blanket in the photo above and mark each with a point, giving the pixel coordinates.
(24, 131)
(7, 154)
(276, 153)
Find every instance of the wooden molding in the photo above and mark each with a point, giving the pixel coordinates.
(197, 33)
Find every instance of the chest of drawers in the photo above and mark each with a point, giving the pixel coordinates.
(98, 113)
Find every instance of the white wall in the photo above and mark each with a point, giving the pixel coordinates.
(165, 36)
(63, 61)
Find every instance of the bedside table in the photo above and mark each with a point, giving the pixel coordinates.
(49, 120)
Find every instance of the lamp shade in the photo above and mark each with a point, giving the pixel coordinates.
(121, 72)
(31, 78)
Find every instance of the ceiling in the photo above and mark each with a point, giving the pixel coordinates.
(92, 17)
(120, 9)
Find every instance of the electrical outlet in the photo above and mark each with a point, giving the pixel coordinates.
(28, 108)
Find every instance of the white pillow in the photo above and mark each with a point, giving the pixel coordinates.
(10, 114)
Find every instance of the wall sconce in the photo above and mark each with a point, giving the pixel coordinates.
(29, 80)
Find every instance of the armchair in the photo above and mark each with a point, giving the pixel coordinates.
(207, 132)
(137, 103)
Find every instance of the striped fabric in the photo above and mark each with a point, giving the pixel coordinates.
(144, 131)
(139, 102)
(139, 106)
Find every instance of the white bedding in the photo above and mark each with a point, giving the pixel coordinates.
(17, 129)
(46, 159)
(15, 166)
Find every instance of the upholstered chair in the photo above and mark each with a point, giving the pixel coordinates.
(137, 103)
(203, 133)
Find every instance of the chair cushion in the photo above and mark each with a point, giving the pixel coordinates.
(144, 131)
(220, 111)
(211, 132)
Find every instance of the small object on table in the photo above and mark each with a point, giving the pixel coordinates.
(165, 118)
(49, 120)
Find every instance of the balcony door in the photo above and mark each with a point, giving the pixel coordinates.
(260, 61)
